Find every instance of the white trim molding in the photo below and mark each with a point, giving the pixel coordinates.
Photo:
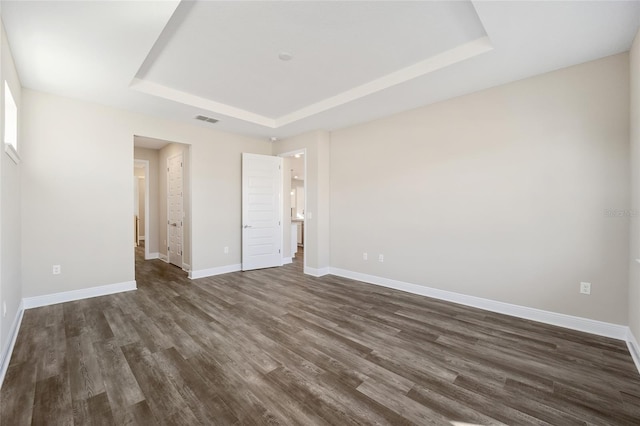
(587, 325)
(431, 64)
(12, 153)
(83, 293)
(152, 256)
(8, 350)
(317, 272)
(634, 349)
(210, 272)
(186, 267)
(287, 260)
(163, 257)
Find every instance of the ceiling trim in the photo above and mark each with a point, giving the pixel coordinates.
(434, 63)
(429, 65)
(185, 98)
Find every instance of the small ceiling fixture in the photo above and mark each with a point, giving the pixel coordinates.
(285, 56)
(297, 155)
(207, 119)
(273, 139)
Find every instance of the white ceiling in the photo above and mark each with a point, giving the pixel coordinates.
(335, 47)
(352, 61)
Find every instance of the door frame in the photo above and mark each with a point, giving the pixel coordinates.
(145, 164)
(181, 266)
(302, 151)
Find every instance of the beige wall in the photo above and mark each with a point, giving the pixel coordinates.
(75, 150)
(500, 194)
(151, 240)
(10, 207)
(634, 266)
(317, 145)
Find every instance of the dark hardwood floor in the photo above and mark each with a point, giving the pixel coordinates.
(277, 347)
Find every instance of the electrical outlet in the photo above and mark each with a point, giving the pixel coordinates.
(585, 288)
(381, 258)
(226, 250)
(365, 256)
(57, 270)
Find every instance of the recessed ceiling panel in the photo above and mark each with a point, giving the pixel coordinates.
(230, 52)
(351, 61)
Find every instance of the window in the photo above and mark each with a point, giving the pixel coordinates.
(10, 124)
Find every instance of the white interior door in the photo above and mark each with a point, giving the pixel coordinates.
(174, 207)
(261, 211)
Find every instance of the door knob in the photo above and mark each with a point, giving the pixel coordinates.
(174, 224)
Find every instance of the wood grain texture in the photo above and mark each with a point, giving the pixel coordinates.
(277, 347)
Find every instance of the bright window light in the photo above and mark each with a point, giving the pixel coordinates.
(10, 119)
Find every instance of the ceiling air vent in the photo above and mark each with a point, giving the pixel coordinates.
(207, 119)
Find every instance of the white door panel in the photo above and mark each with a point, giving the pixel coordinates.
(261, 211)
(174, 206)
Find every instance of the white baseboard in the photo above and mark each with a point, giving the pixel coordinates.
(186, 267)
(5, 355)
(634, 349)
(155, 255)
(287, 260)
(163, 257)
(317, 272)
(202, 273)
(84, 293)
(567, 321)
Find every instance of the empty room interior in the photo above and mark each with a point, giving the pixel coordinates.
(274, 212)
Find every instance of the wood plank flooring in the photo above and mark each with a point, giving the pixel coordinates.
(277, 347)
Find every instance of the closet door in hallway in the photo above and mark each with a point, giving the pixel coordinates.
(174, 209)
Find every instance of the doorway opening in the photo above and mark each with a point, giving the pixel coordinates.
(164, 218)
(295, 207)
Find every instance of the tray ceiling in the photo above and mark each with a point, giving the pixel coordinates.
(348, 62)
